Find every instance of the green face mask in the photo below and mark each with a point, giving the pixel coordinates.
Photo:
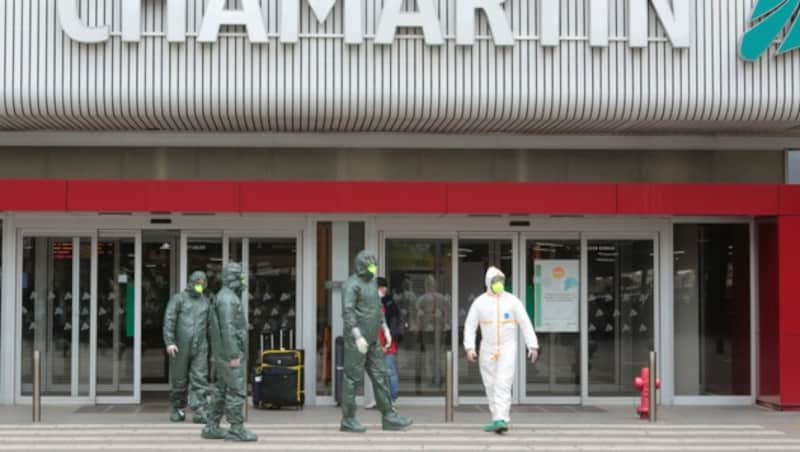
(199, 288)
(372, 268)
(498, 288)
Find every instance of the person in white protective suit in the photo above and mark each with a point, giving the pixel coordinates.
(499, 315)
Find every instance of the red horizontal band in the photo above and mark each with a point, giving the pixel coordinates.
(398, 198)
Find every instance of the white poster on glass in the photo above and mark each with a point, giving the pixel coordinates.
(557, 296)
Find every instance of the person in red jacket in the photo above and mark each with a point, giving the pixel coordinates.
(392, 315)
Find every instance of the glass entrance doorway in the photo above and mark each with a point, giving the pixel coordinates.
(77, 302)
(55, 297)
(592, 301)
(475, 256)
(420, 275)
(552, 297)
(92, 303)
(621, 313)
(271, 266)
(160, 251)
(118, 343)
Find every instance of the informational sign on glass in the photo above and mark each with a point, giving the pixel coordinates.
(556, 296)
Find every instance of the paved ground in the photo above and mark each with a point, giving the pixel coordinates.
(534, 428)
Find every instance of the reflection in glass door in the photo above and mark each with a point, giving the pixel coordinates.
(621, 307)
(117, 334)
(552, 298)
(271, 268)
(474, 258)
(419, 273)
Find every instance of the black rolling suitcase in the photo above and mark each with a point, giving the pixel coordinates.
(278, 380)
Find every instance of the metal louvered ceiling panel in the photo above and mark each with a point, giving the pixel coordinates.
(48, 81)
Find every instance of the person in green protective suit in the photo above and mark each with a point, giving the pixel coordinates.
(186, 340)
(228, 332)
(363, 321)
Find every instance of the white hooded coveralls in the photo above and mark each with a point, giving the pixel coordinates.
(499, 317)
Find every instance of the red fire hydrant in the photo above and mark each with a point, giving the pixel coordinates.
(642, 383)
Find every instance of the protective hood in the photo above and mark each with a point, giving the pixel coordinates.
(491, 274)
(232, 275)
(430, 284)
(363, 261)
(196, 278)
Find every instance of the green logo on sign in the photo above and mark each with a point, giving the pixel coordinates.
(774, 17)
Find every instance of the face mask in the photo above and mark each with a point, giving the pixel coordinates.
(498, 288)
(199, 288)
(372, 268)
(382, 292)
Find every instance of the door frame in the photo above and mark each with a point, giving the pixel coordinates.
(136, 397)
(517, 279)
(175, 261)
(245, 237)
(727, 400)
(383, 236)
(657, 329)
(522, 376)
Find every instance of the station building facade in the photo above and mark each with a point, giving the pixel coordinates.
(628, 164)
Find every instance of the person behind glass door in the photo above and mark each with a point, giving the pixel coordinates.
(392, 314)
(433, 320)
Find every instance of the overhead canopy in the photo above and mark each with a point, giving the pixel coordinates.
(689, 76)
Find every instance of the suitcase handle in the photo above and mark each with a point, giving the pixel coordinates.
(280, 339)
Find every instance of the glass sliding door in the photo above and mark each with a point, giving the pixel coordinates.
(270, 265)
(552, 299)
(475, 256)
(712, 309)
(54, 305)
(419, 273)
(84, 319)
(117, 302)
(621, 306)
(160, 255)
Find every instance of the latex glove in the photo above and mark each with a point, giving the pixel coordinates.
(361, 344)
(533, 355)
(235, 363)
(472, 356)
(172, 350)
(388, 335)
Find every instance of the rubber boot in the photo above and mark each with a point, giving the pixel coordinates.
(500, 427)
(177, 415)
(213, 431)
(394, 422)
(239, 433)
(351, 425)
(199, 417)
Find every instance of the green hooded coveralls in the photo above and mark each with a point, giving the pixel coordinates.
(186, 326)
(362, 314)
(228, 332)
